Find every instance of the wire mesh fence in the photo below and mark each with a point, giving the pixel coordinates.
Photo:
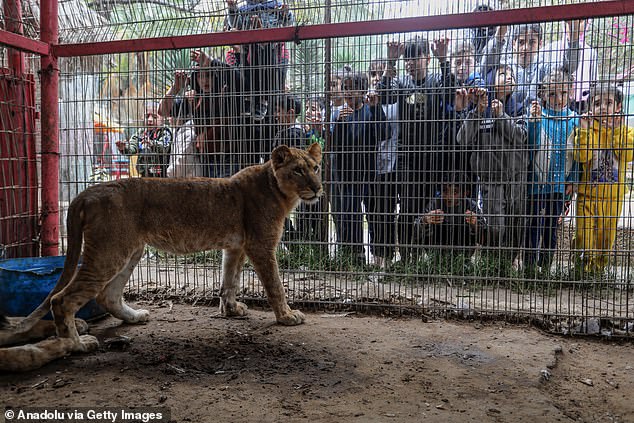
(482, 170)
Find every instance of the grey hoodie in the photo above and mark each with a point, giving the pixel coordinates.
(498, 144)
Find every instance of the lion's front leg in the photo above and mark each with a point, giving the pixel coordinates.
(265, 264)
(232, 262)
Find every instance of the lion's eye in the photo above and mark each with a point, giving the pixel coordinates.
(316, 169)
(298, 171)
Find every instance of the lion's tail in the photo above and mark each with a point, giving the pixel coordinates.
(75, 228)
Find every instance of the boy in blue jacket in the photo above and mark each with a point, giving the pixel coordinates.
(551, 172)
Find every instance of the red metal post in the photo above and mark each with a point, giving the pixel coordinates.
(13, 17)
(50, 135)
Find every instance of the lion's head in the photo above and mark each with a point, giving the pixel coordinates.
(298, 172)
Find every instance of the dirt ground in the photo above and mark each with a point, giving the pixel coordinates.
(336, 368)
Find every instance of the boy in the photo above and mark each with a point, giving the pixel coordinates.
(550, 172)
(495, 132)
(289, 132)
(152, 144)
(452, 221)
(525, 60)
(603, 147)
(423, 110)
(358, 126)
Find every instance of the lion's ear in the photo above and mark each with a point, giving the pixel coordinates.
(315, 151)
(280, 155)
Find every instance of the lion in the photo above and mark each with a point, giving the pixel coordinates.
(243, 215)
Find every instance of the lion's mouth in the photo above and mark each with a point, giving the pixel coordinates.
(312, 197)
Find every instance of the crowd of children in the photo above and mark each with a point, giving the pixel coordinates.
(485, 153)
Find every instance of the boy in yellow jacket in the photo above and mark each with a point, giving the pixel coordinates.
(603, 147)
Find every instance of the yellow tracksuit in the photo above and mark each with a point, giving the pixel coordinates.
(603, 154)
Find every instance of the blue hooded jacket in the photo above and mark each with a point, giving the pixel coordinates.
(551, 163)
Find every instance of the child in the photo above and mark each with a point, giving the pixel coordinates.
(289, 132)
(495, 132)
(525, 59)
(550, 176)
(383, 197)
(603, 147)
(452, 220)
(312, 219)
(358, 126)
(463, 64)
(151, 143)
(264, 65)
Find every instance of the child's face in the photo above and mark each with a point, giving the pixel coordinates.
(352, 95)
(504, 82)
(314, 112)
(556, 96)
(285, 117)
(335, 90)
(526, 47)
(451, 195)
(462, 65)
(604, 108)
(204, 81)
(152, 118)
(417, 67)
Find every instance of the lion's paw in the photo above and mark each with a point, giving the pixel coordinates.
(295, 317)
(88, 343)
(240, 309)
(140, 316)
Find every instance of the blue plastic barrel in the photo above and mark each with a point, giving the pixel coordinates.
(25, 283)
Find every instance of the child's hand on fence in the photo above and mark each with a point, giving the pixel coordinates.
(199, 56)
(585, 121)
(395, 50)
(180, 80)
(480, 98)
(372, 98)
(345, 112)
(462, 99)
(440, 48)
(471, 218)
(535, 110)
(497, 108)
(434, 217)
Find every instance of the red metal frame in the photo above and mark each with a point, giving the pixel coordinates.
(49, 48)
(423, 23)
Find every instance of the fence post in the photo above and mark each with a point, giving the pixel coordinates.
(50, 130)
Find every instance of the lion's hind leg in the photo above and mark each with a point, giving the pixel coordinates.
(89, 281)
(111, 297)
(232, 262)
(32, 356)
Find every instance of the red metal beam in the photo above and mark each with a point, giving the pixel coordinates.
(50, 135)
(23, 43)
(422, 23)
